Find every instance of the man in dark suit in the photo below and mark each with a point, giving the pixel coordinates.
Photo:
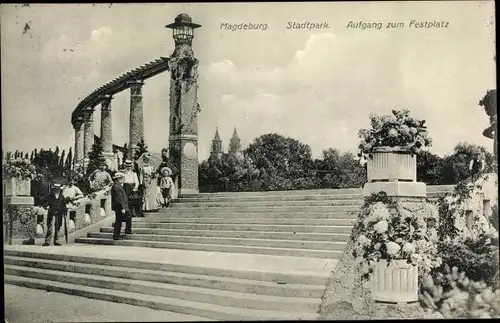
(57, 210)
(119, 204)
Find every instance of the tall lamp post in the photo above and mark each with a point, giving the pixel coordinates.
(184, 107)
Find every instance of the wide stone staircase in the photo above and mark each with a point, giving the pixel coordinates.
(295, 223)
(224, 256)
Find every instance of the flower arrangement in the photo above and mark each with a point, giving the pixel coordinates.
(457, 296)
(396, 130)
(20, 168)
(385, 230)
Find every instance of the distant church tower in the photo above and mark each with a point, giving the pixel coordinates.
(216, 145)
(235, 146)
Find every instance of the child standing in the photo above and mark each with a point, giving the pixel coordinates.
(166, 185)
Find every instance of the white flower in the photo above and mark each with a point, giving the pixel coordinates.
(377, 246)
(380, 211)
(413, 130)
(392, 248)
(408, 247)
(416, 258)
(363, 240)
(381, 226)
(393, 133)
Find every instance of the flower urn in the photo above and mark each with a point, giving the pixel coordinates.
(394, 282)
(392, 164)
(17, 187)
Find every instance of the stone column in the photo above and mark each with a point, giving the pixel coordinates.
(107, 130)
(184, 107)
(88, 135)
(136, 130)
(78, 159)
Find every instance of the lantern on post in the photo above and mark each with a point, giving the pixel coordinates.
(183, 29)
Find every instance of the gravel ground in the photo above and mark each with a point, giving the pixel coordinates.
(24, 305)
(345, 298)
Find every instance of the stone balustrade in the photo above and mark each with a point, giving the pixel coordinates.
(22, 231)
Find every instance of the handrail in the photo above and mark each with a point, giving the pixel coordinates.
(119, 84)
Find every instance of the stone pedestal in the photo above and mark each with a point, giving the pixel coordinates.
(394, 171)
(17, 199)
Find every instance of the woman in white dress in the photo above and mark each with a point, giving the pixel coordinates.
(147, 178)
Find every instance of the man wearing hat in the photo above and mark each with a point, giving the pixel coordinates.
(57, 210)
(131, 187)
(119, 204)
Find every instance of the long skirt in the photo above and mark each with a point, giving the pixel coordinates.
(150, 191)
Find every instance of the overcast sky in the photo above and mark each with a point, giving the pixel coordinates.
(317, 86)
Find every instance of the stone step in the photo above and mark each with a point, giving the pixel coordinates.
(270, 209)
(245, 220)
(177, 278)
(154, 263)
(165, 212)
(275, 215)
(261, 198)
(255, 204)
(242, 234)
(217, 248)
(273, 243)
(246, 227)
(189, 293)
(212, 311)
(331, 192)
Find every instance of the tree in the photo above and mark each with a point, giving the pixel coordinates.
(62, 159)
(489, 103)
(456, 166)
(280, 156)
(142, 148)
(339, 171)
(69, 159)
(430, 168)
(26, 156)
(95, 155)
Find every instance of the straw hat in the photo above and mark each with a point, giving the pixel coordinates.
(118, 175)
(128, 162)
(166, 170)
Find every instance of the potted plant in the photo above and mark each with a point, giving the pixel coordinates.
(18, 174)
(390, 146)
(394, 246)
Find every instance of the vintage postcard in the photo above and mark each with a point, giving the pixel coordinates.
(249, 161)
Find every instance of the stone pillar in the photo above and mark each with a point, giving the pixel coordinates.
(78, 159)
(136, 130)
(107, 130)
(184, 106)
(88, 135)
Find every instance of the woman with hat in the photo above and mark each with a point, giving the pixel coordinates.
(147, 180)
(131, 187)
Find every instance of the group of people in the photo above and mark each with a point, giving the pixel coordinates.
(134, 189)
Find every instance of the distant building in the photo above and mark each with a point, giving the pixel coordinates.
(235, 146)
(234, 149)
(216, 150)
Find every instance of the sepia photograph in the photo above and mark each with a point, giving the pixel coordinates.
(249, 161)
